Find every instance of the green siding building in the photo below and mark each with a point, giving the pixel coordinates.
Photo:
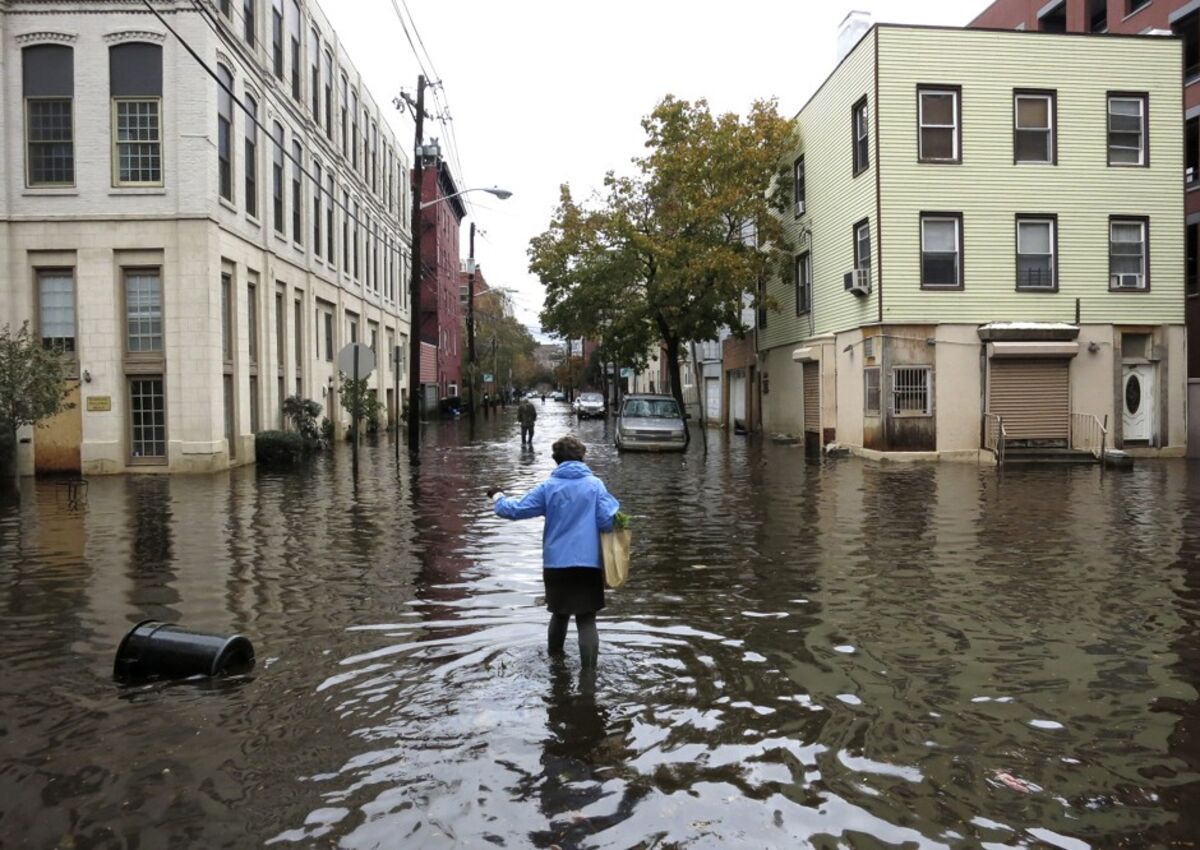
(989, 239)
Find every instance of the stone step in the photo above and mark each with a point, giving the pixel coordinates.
(1046, 456)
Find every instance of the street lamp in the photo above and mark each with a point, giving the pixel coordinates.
(414, 381)
(502, 194)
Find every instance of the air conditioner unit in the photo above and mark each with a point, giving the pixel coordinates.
(800, 207)
(857, 282)
(1126, 281)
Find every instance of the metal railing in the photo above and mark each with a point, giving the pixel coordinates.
(994, 436)
(1089, 434)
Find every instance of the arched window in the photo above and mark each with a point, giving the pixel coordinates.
(251, 165)
(225, 132)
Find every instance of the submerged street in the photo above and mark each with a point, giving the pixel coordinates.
(809, 653)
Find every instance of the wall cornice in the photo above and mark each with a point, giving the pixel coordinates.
(46, 37)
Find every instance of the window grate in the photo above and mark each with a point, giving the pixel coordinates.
(910, 391)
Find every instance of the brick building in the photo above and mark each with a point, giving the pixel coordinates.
(441, 317)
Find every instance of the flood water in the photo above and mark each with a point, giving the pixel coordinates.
(825, 654)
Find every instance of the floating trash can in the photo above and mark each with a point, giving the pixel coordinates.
(160, 650)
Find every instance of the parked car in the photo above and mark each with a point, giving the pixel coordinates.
(589, 405)
(651, 423)
(557, 396)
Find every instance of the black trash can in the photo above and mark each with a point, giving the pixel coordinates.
(160, 650)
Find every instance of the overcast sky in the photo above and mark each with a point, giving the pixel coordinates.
(544, 92)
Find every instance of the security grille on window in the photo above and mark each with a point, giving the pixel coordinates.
(1127, 129)
(277, 176)
(1035, 253)
(1033, 134)
(871, 397)
(143, 312)
(225, 131)
(941, 249)
(250, 166)
(297, 202)
(862, 156)
(910, 391)
(147, 418)
(803, 283)
(937, 118)
(135, 84)
(1127, 255)
(56, 310)
(48, 81)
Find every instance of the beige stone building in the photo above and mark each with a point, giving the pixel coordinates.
(197, 264)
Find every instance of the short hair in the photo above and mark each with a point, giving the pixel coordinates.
(567, 448)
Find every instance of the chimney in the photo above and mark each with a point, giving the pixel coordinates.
(851, 31)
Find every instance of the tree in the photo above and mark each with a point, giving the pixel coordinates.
(360, 401)
(33, 387)
(681, 245)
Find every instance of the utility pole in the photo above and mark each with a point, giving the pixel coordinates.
(414, 300)
(471, 321)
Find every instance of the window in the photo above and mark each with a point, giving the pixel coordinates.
(1136, 6)
(1128, 261)
(143, 312)
(910, 391)
(803, 283)
(294, 35)
(1097, 16)
(1191, 151)
(941, 251)
(1036, 243)
(329, 95)
(225, 132)
(56, 309)
(862, 156)
(374, 158)
(354, 129)
(871, 399)
(1054, 18)
(298, 337)
(254, 404)
(314, 56)
(938, 122)
(250, 166)
(798, 192)
(277, 37)
(352, 325)
(227, 318)
(329, 238)
(1033, 127)
(225, 8)
(366, 144)
(862, 248)
(147, 418)
(1192, 270)
(1127, 129)
(248, 20)
(329, 337)
(135, 84)
(48, 82)
(277, 176)
(252, 324)
(346, 230)
(297, 201)
(354, 254)
(317, 209)
(1187, 29)
(345, 101)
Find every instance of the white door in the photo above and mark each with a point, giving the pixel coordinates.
(737, 398)
(1137, 399)
(712, 399)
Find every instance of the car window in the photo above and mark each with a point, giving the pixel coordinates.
(645, 408)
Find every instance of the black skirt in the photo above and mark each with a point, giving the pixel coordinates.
(574, 590)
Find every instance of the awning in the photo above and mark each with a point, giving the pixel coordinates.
(1032, 349)
(800, 355)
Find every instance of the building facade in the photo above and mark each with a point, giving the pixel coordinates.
(199, 238)
(441, 306)
(1181, 17)
(988, 227)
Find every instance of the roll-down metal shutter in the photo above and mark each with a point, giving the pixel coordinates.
(1033, 397)
(812, 397)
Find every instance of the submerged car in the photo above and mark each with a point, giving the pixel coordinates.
(589, 405)
(651, 423)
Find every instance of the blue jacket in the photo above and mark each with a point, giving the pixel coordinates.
(577, 508)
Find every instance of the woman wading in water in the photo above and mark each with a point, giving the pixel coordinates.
(577, 508)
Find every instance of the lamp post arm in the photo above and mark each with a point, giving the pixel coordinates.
(502, 194)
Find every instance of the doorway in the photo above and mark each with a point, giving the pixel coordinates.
(1137, 403)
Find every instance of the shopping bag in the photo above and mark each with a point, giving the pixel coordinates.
(614, 545)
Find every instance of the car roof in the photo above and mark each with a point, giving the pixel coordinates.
(650, 396)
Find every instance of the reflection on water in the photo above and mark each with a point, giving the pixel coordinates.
(809, 654)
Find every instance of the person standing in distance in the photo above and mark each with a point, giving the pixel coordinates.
(526, 415)
(577, 507)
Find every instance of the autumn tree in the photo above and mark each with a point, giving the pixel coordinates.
(33, 388)
(674, 251)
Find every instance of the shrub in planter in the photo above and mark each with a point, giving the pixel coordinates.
(278, 448)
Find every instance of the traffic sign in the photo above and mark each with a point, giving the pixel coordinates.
(488, 377)
(356, 360)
